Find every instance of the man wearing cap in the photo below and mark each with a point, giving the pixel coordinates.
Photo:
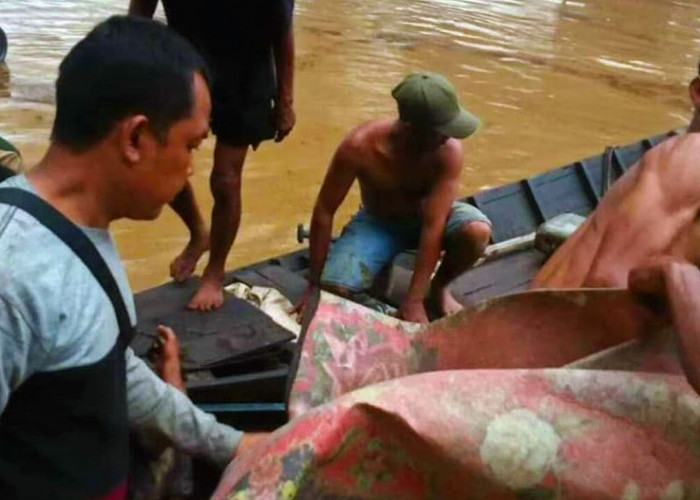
(409, 173)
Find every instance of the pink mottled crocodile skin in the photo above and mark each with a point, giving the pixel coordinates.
(347, 346)
(389, 410)
(487, 434)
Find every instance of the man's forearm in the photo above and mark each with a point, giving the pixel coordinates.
(428, 255)
(144, 8)
(683, 289)
(156, 405)
(284, 66)
(319, 242)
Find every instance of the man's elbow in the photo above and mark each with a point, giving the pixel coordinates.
(322, 216)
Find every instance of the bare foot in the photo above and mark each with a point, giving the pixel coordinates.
(210, 295)
(184, 264)
(168, 358)
(444, 301)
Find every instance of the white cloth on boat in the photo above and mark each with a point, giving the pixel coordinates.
(270, 301)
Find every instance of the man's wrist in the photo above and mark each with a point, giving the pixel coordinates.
(410, 300)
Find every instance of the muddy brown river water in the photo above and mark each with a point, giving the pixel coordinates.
(552, 80)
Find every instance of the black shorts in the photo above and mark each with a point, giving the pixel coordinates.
(236, 38)
(243, 102)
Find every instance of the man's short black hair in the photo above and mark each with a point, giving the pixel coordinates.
(124, 66)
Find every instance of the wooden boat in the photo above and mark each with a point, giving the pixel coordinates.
(239, 360)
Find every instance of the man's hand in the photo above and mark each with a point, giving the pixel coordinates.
(300, 308)
(650, 278)
(678, 283)
(165, 355)
(249, 442)
(285, 119)
(413, 311)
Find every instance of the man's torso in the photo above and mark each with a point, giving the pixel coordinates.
(55, 291)
(650, 212)
(61, 365)
(393, 183)
(231, 34)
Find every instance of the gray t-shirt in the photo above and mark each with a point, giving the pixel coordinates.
(54, 315)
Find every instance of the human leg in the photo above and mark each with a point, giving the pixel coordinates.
(467, 235)
(225, 186)
(185, 206)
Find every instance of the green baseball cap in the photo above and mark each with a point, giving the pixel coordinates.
(429, 100)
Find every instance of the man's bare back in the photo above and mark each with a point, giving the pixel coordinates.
(395, 178)
(651, 212)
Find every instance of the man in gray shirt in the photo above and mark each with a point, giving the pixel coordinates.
(132, 104)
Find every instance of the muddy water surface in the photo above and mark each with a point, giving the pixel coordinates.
(552, 80)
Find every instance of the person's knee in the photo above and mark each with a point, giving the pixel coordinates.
(225, 184)
(475, 235)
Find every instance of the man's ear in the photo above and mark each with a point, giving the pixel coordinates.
(134, 136)
(694, 90)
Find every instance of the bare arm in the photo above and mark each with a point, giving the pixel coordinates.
(436, 210)
(683, 290)
(678, 284)
(340, 176)
(143, 8)
(283, 49)
(156, 405)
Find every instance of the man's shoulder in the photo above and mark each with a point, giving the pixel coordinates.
(365, 137)
(449, 157)
(32, 258)
(53, 292)
(28, 251)
(672, 153)
(366, 132)
(452, 150)
(356, 145)
(27, 265)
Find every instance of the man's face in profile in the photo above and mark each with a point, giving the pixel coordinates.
(168, 164)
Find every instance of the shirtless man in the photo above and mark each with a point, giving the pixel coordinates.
(409, 172)
(652, 211)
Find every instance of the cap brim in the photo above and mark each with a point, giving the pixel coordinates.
(460, 127)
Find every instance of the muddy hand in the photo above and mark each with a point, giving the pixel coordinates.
(413, 311)
(285, 119)
(167, 358)
(301, 308)
(650, 277)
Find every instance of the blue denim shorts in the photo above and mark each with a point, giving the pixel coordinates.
(368, 244)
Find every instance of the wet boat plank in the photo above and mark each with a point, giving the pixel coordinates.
(236, 330)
